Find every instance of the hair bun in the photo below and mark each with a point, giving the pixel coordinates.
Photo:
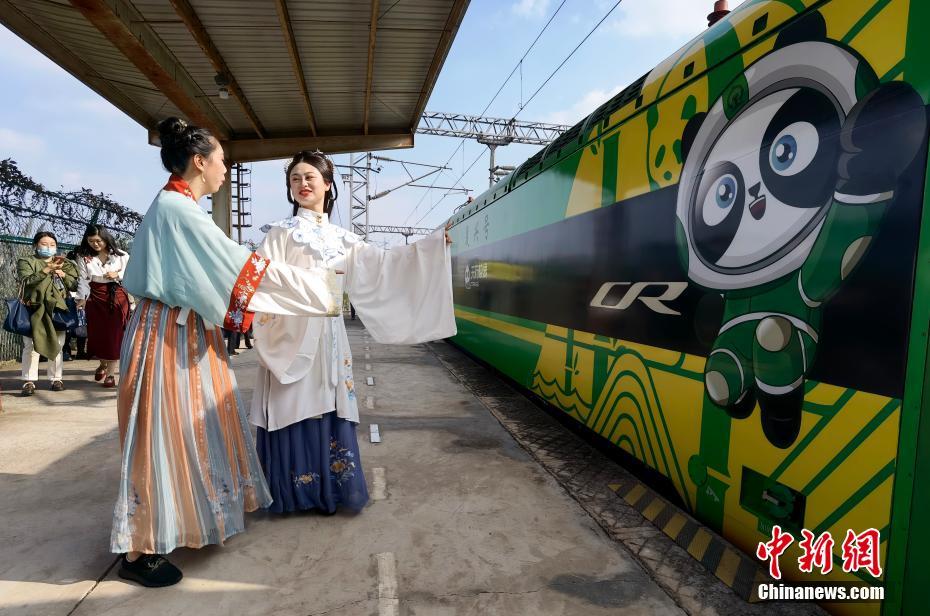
(171, 130)
(180, 141)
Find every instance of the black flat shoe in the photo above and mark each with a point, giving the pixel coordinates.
(150, 570)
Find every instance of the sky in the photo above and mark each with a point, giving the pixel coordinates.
(64, 135)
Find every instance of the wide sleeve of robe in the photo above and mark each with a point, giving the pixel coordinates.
(279, 340)
(181, 258)
(403, 295)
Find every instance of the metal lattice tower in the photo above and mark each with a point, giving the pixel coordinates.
(490, 129)
(359, 176)
(405, 231)
(241, 188)
(492, 132)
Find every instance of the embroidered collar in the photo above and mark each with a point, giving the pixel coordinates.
(317, 217)
(177, 184)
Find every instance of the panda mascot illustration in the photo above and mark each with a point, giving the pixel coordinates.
(785, 183)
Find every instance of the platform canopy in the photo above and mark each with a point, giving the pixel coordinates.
(269, 77)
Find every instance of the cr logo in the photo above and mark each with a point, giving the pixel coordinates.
(609, 295)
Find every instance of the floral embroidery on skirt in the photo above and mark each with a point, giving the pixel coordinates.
(313, 464)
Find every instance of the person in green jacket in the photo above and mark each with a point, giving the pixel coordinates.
(46, 278)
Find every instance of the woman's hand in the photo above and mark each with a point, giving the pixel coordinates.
(448, 239)
(59, 272)
(112, 275)
(80, 303)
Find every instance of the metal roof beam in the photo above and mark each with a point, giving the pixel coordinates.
(250, 150)
(187, 14)
(372, 36)
(35, 35)
(125, 28)
(442, 50)
(288, 30)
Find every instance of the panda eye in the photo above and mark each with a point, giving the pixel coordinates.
(794, 149)
(720, 199)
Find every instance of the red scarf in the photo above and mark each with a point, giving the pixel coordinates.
(179, 185)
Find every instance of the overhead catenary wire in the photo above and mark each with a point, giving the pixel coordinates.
(446, 194)
(517, 66)
(567, 58)
(538, 90)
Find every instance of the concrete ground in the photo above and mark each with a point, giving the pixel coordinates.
(462, 521)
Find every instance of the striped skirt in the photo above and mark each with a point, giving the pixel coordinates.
(189, 469)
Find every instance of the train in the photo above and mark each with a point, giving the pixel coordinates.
(724, 272)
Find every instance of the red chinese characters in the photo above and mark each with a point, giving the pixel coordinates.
(862, 552)
(771, 550)
(817, 553)
(859, 551)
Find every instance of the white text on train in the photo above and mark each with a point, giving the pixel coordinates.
(670, 292)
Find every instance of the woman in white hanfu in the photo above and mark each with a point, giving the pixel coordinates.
(188, 470)
(304, 403)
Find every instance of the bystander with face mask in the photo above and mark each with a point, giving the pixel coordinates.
(46, 280)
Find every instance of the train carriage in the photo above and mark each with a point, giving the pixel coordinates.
(724, 272)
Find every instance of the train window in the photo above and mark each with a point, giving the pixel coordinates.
(639, 102)
(689, 69)
(760, 24)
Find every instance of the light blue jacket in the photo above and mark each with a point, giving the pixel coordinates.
(182, 259)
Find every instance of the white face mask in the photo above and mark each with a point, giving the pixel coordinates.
(44, 252)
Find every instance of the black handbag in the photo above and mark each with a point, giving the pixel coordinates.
(65, 320)
(18, 316)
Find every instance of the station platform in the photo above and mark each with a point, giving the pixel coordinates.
(481, 504)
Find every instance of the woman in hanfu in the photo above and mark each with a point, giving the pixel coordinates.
(189, 469)
(304, 403)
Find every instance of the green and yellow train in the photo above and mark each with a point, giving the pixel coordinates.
(725, 271)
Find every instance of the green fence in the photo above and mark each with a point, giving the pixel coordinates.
(27, 207)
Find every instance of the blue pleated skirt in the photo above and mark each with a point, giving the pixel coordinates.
(313, 464)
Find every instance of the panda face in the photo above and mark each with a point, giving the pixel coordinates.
(767, 180)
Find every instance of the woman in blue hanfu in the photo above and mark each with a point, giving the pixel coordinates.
(304, 403)
(189, 468)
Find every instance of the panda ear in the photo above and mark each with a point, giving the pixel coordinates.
(809, 27)
(690, 134)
